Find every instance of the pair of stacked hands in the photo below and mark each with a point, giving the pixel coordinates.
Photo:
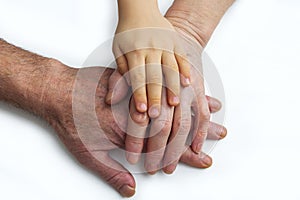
(153, 57)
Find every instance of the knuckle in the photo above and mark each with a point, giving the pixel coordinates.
(205, 115)
(200, 137)
(193, 159)
(155, 78)
(153, 43)
(115, 47)
(183, 123)
(135, 142)
(134, 145)
(137, 52)
(122, 69)
(173, 66)
(121, 62)
(165, 131)
(140, 118)
(154, 99)
(152, 49)
(112, 178)
(155, 155)
(164, 125)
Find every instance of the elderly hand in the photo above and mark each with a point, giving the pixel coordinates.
(72, 101)
(162, 150)
(75, 122)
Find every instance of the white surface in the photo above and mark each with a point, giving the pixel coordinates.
(256, 50)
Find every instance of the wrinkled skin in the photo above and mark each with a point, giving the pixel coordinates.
(96, 158)
(45, 87)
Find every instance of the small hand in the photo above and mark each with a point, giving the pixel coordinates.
(144, 48)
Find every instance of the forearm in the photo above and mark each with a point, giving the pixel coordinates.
(198, 17)
(27, 80)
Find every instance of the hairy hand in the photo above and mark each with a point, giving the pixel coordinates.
(90, 129)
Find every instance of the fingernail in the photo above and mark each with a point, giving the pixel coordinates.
(223, 132)
(187, 81)
(216, 104)
(142, 107)
(175, 100)
(132, 158)
(154, 111)
(207, 160)
(170, 169)
(127, 191)
(152, 172)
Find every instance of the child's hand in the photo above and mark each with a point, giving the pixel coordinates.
(144, 47)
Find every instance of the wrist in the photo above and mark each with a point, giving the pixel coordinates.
(198, 18)
(57, 90)
(34, 83)
(137, 9)
(196, 25)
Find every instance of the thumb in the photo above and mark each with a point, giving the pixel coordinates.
(117, 88)
(109, 170)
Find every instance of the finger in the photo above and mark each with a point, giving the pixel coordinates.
(110, 170)
(184, 69)
(193, 159)
(154, 83)
(122, 67)
(216, 131)
(136, 63)
(136, 132)
(214, 104)
(180, 130)
(170, 70)
(202, 117)
(117, 88)
(122, 64)
(159, 133)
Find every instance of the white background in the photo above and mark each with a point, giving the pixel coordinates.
(256, 49)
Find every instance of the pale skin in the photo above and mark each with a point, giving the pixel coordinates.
(138, 14)
(44, 86)
(195, 19)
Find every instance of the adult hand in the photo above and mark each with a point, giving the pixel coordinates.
(74, 120)
(180, 127)
(72, 101)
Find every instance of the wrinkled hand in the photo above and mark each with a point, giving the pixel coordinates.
(89, 140)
